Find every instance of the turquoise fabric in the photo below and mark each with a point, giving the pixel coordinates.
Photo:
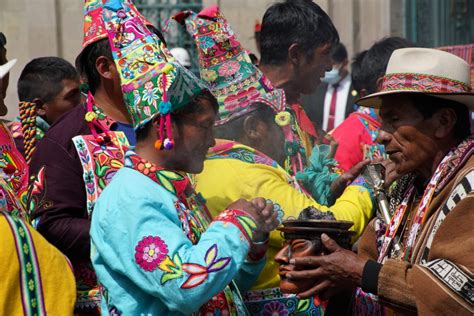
(318, 176)
(133, 207)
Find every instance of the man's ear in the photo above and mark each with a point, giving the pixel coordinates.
(444, 120)
(379, 83)
(295, 54)
(41, 107)
(104, 66)
(363, 93)
(250, 127)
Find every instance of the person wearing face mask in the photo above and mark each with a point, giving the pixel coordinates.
(334, 98)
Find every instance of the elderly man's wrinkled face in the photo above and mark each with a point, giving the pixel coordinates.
(407, 136)
(295, 248)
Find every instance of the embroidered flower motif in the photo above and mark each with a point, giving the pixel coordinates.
(198, 273)
(209, 75)
(283, 118)
(127, 73)
(150, 252)
(221, 37)
(229, 68)
(274, 308)
(206, 42)
(146, 167)
(150, 93)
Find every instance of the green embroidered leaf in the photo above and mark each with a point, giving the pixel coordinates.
(166, 183)
(170, 276)
(303, 305)
(101, 183)
(177, 261)
(177, 271)
(245, 220)
(170, 175)
(100, 170)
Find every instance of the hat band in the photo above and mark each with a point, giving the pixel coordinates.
(422, 83)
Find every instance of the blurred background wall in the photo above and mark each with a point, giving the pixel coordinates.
(37, 28)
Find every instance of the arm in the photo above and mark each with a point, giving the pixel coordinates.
(182, 275)
(59, 199)
(354, 204)
(433, 287)
(439, 284)
(248, 274)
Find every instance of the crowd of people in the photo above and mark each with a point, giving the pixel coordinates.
(131, 186)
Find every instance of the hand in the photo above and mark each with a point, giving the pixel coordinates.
(339, 185)
(339, 270)
(267, 218)
(261, 211)
(391, 174)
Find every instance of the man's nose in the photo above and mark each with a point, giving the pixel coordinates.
(383, 137)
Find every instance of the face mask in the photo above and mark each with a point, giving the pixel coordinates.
(331, 77)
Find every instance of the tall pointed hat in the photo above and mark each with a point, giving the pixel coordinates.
(224, 64)
(94, 27)
(238, 84)
(153, 82)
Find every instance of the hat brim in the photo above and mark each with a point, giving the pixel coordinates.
(5, 68)
(374, 100)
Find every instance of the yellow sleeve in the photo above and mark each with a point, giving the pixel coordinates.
(219, 184)
(225, 180)
(353, 205)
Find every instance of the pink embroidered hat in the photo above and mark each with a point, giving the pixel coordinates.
(223, 63)
(153, 83)
(94, 28)
(424, 70)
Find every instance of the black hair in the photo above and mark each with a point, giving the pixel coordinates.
(253, 59)
(3, 40)
(375, 62)
(428, 105)
(294, 21)
(42, 78)
(311, 212)
(193, 107)
(358, 71)
(85, 62)
(338, 53)
(3, 50)
(234, 130)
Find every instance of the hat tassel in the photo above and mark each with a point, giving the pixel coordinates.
(165, 134)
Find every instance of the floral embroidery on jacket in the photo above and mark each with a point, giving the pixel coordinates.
(150, 252)
(198, 273)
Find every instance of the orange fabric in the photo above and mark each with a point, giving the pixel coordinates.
(303, 120)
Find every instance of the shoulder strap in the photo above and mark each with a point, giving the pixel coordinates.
(31, 287)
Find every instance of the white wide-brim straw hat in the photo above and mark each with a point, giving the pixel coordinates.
(5, 68)
(424, 70)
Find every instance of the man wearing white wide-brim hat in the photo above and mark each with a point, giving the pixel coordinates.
(423, 260)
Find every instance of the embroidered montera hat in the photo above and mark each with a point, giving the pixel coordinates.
(424, 70)
(153, 82)
(94, 28)
(224, 64)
